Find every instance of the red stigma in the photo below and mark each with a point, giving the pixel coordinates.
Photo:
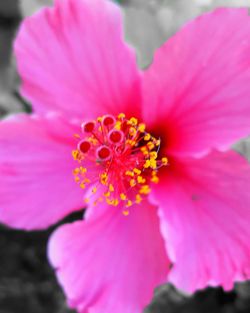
(84, 146)
(116, 136)
(108, 120)
(88, 127)
(104, 153)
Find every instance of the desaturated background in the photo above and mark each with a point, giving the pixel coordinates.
(27, 284)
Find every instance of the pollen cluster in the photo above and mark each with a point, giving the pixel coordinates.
(122, 158)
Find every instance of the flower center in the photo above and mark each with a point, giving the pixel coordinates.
(124, 157)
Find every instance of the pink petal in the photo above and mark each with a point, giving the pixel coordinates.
(37, 187)
(197, 90)
(72, 58)
(205, 214)
(113, 263)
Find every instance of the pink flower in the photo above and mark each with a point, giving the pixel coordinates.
(151, 152)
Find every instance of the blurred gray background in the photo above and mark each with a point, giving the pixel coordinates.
(27, 284)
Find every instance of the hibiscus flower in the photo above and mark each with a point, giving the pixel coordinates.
(147, 153)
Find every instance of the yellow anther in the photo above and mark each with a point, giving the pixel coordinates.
(132, 131)
(123, 196)
(75, 154)
(164, 161)
(77, 179)
(147, 137)
(153, 155)
(118, 125)
(83, 169)
(93, 140)
(99, 119)
(147, 164)
(111, 188)
(145, 190)
(157, 142)
(138, 199)
(129, 173)
(132, 182)
(77, 136)
(86, 180)
(86, 200)
(141, 127)
(133, 121)
(108, 201)
(104, 178)
(129, 203)
(144, 150)
(94, 190)
(121, 116)
(125, 212)
(131, 142)
(137, 171)
(82, 185)
(76, 171)
(153, 164)
(115, 202)
(106, 194)
(150, 145)
(141, 180)
(155, 179)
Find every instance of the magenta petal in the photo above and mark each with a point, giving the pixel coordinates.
(37, 187)
(72, 58)
(205, 213)
(198, 86)
(110, 264)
